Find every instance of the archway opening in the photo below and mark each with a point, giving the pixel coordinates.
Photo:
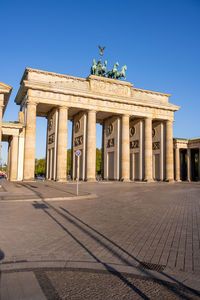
(183, 164)
(40, 148)
(4, 159)
(194, 164)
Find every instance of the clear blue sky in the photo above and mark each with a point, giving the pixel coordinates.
(158, 40)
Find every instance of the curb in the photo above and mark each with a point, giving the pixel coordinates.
(71, 198)
(181, 279)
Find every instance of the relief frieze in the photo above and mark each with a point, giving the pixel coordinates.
(110, 143)
(156, 146)
(78, 141)
(134, 144)
(51, 139)
(109, 88)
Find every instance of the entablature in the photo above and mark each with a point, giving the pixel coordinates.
(5, 90)
(92, 86)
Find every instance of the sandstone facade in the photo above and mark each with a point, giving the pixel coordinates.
(137, 127)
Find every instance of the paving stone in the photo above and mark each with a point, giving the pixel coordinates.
(124, 225)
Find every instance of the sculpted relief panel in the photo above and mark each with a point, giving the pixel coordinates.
(72, 83)
(110, 88)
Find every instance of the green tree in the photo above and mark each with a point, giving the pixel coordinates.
(40, 164)
(40, 167)
(98, 160)
(69, 162)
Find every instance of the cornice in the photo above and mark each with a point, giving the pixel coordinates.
(14, 124)
(49, 73)
(6, 90)
(5, 87)
(151, 92)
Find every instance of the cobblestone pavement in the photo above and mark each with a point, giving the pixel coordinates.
(101, 285)
(151, 226)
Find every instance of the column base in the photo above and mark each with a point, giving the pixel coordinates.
(28, 180)
(61, 180)
(169, 180)
(14, 180)
(125, 180)
(91, 180)
(149, 180)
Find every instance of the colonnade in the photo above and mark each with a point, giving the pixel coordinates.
(128, 115)
(187, 160)
(13, 134)
(61, 153)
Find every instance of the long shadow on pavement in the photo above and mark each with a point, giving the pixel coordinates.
(112, 251)
(110, 269)
(122, 259)
(126, 252)
(2, 255)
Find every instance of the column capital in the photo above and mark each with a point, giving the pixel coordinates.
(92, 110)
(169, 121)
(30, 102)
(148, 119)
(63, 107)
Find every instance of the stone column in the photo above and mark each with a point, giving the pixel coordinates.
(102, 151)
(8, 160)
(177, 163)
(29, 146)
(199, 164)
(50, 163)
(91, 146)
(148, 150)
(20, 156)
(47, 154)
(125, 148)
(72, 152)
(1, 114)
(62, 144)
(169, 151)
(141, 151)
(14, 158)
(188, 164)
(161, 151)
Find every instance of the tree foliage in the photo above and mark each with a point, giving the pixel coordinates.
(41, 163)
(40, 167)
(69, 159)
(98, 160)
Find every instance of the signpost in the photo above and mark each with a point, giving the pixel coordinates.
(78, 154)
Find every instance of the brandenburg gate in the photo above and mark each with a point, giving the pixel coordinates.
(137, 129)
(137, 126)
